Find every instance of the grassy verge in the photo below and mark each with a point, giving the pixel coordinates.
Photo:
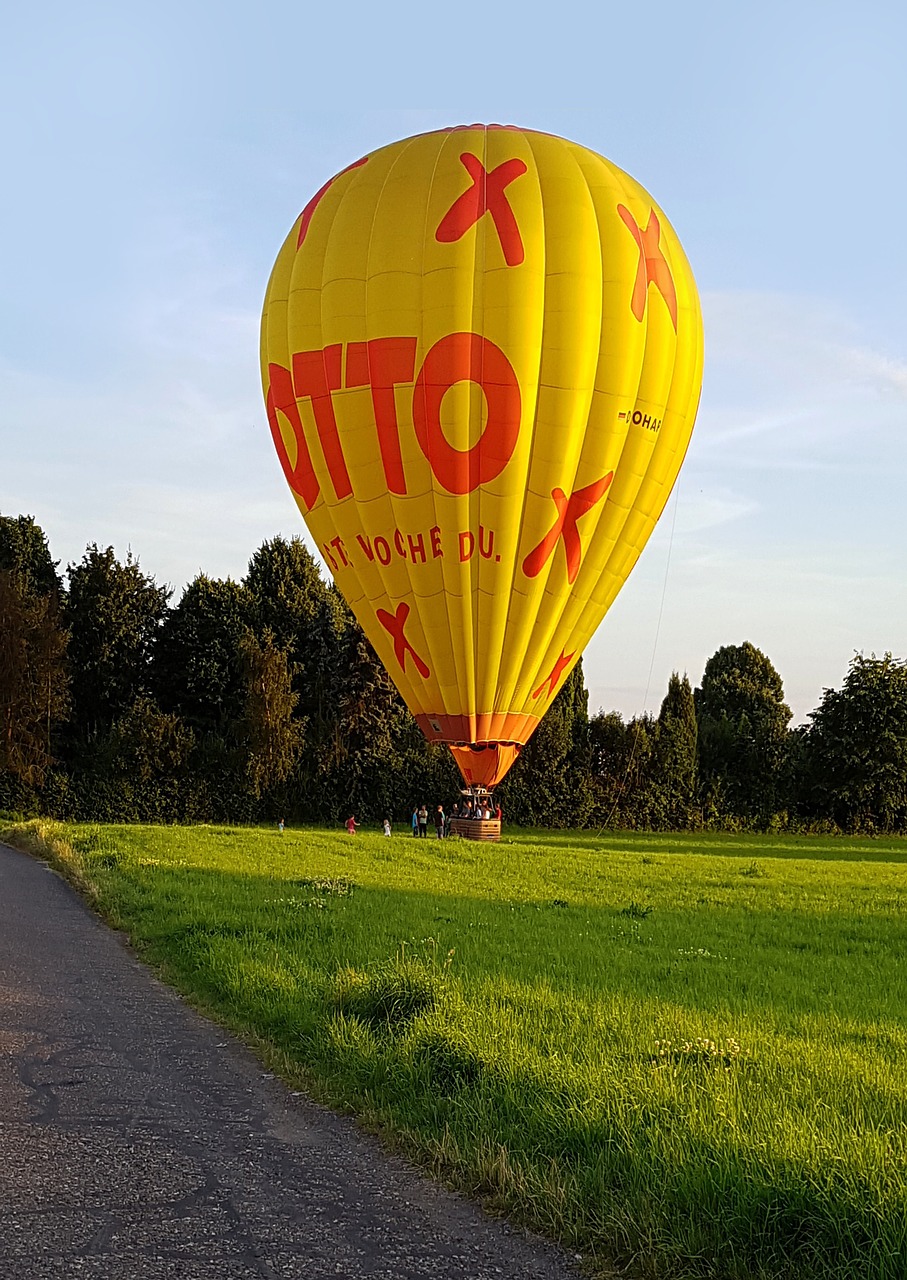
(686, 1054)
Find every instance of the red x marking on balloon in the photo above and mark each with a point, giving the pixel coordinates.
(317, 197)
(486, 195)
(653, 266)
(394, 624)
(557, 671)
(569, 510)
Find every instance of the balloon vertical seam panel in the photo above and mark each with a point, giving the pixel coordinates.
(572, 304)
(555, 651)
(508, 633)
(481, 354)
(383, 321)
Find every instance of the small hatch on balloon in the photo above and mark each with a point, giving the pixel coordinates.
(434, 724)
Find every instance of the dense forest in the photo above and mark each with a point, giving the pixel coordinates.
(248, 701)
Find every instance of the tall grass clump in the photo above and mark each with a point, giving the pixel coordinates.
(388, 997)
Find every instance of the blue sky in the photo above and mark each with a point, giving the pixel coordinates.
(156, 155)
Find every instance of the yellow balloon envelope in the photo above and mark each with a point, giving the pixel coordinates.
(481, 353)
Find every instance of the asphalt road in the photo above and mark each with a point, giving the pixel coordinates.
(139, 1142)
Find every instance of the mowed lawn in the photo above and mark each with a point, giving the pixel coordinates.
(682, 1054)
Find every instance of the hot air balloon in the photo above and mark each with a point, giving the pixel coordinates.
(481, 355)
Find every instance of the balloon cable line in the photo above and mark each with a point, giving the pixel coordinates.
(622, 785)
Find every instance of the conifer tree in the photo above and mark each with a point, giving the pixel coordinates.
(675, 755)
(114, 612)
(198, 662)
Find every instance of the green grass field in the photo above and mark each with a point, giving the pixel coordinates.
(682, 1054)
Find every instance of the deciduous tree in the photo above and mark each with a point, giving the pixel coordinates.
(33, 678)
(856, 748)
(269, 735)
(146, 744)
(34, 684)
(742, 721)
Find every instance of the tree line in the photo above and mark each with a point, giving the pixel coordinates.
(262, 699)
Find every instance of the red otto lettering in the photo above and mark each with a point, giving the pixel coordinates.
(467, 357)
(434, 535)
(315, 375)
(281, 398)
(467, 544)
(384, 365)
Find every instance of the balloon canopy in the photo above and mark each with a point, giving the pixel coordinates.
(481, 353)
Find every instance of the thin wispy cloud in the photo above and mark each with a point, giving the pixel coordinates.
(791, 346)
(878, 371)
(791, 389)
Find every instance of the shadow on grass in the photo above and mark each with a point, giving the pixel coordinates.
(761, 956)
(624, 1178)
(719, 844)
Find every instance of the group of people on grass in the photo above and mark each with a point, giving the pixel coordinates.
(477, 807)
(469, 807)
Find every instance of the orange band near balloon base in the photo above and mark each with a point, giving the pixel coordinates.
(481, 728)
(484, 745)
(484, 765)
